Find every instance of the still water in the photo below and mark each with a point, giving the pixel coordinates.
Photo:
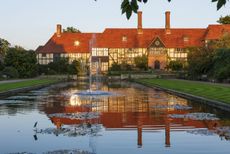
(134, 120)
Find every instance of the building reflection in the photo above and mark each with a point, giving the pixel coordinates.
(129, 113)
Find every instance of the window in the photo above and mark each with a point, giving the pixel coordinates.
(186, 38)
(94, 52)
(100, 53)
(56, 57)
(44, 55)
(124, 39)
(76, 43)
(179, 49)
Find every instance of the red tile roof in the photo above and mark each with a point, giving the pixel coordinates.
(66, 43)
(39, 48)
(214, 32)
(112, 38)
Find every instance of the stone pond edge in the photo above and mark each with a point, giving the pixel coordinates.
(25, 89)
(214, 103)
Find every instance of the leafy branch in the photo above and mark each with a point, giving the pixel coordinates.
(220, 3)
(131, 6)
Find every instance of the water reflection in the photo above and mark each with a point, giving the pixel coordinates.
(137, 118)
(136, 109)
(69, 152)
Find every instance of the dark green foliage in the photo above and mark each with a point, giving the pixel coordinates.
(224, 20)
(223, 42)
(115, 67)
(141, 62)
(222, 73)
(221, 67)
(120, 67)
(175, 65)
(52, 72)
(42, 69)
(60, 66)
(220, 3)
(200, 61)
(71, 30)
(4, 47)
(126, 67)
(10, 72)
(213, 60)
(25, 62)
(1, 66)
(130, 6)
(74, 67)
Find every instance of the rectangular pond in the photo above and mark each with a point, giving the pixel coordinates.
(133, 119)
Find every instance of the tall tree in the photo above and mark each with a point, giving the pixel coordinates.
(200, 61)
(59, 66)
(221, 64)
(25, 62)
(223, 42)
(4, 47)
(224, 20)
(71, 30)
(141, 62)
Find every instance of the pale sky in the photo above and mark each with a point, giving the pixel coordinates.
(30, 23)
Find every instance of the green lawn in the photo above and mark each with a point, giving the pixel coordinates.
(21, 84)
(206, 90)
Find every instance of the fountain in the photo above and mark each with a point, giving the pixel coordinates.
(91, 92)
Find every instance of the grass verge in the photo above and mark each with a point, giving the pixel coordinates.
(210, 91)
(27, 83)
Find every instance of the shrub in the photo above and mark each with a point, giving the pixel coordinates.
(24, 61)
(141, 62)
(175, 65)
(10, 72)
(51, 72)
(221, 68)
(1, 66)
(200, 61)
(74, 68)
(60, 66)
(42, 69)
(222, 73)
(115, 67)
(126, 67)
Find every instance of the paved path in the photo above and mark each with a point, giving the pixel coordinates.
(13, 81)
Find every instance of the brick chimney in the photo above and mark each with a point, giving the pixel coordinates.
(139, 26)
(167, 22)
(59, 30)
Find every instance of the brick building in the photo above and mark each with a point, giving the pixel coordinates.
(117, 45)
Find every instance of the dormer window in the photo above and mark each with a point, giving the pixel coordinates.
(124, 39)
(186, 38)
(76, 43)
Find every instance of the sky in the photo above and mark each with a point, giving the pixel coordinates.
(30, 23)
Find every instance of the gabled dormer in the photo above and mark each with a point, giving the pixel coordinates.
(156, 47)
(156, 43)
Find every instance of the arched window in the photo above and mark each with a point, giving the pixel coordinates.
(157, 64)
